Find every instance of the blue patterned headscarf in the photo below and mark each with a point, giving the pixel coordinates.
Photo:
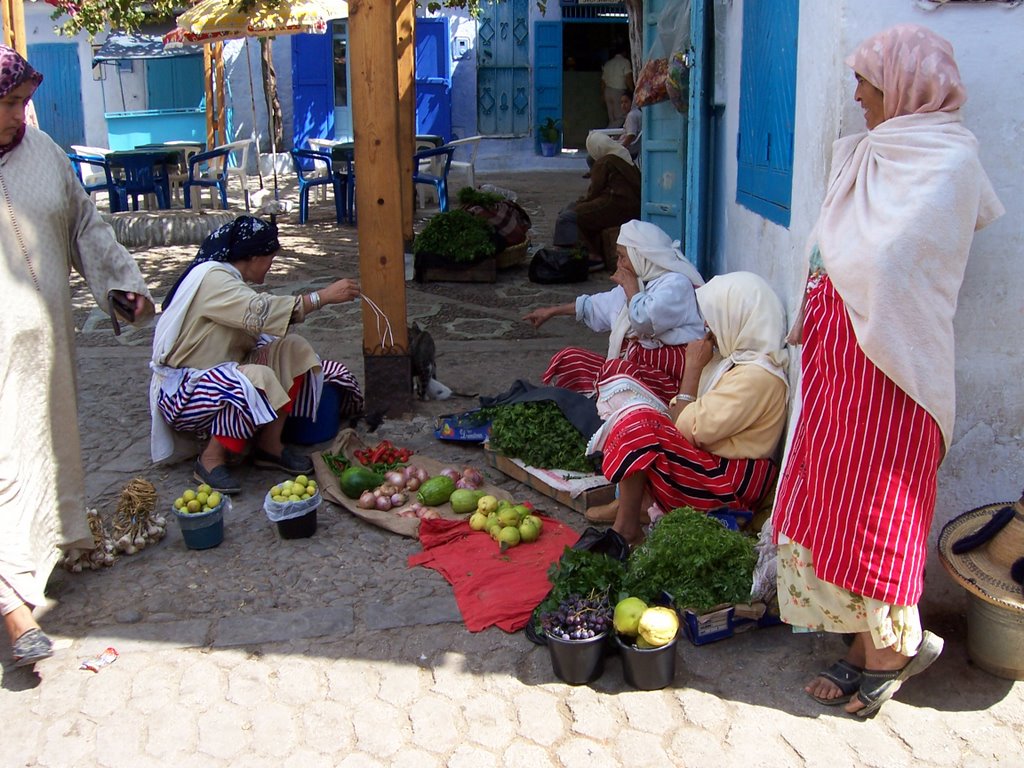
(14, 71)
(239, 240)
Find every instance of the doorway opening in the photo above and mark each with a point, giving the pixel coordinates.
(587, 43)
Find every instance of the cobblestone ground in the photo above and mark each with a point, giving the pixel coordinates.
(329, 651)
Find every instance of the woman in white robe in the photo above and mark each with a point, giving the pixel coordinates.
(48, 226)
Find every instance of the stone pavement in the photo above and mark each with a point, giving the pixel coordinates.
(329, 651)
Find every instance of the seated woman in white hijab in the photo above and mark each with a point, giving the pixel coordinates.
(225, 363)
(651, 314)
(713, 445)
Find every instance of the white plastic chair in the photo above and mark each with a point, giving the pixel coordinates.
(469, 166)
(320, 169)
(240, 169)
(176, 179)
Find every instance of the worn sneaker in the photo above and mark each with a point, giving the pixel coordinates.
(217, 478)
(289, 461)
(32, 646)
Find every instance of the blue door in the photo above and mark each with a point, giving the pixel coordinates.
(58, 101)
(547, 72)
(503, 68)
(433, 78)
(696, 225)
(312, 87)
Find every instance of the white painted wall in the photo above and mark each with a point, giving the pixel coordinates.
(986, 461)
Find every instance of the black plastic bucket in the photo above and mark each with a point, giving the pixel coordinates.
(301, 527)
(648, 669)
(577, 662)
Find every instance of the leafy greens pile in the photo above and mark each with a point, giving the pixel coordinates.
(456, 236)
(539, 434)
(695, 559)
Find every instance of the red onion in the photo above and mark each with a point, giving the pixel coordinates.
(383, 503)
(473, 476)
(367, 500)
(422, 474)
(412, 484)
(465, 484)
(395, 478)
(454, 474)
(397, 499)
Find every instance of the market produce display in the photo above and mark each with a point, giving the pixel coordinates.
(645, 627)
(538, 434)
(506, 522)
(410, 491)
(196, 500)
(301, 488)
(578, 618)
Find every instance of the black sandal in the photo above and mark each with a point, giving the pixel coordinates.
(877, 686)
(33, 645)
(844, 676)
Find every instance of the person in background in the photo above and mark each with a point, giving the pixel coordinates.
(714, 444)
(887, 256)
(48, 226)
(611, 199)
(650, 315)
(616, 79)
(226, 364)
(631, 125)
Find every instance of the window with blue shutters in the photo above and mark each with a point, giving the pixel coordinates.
(175, 83)
(764, 146)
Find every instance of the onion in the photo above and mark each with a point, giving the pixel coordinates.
(412, 484)
(395, 478)
(430, 514)
(422, 474)
(416, 506)
(367, 500)
(407, 513)
(454, 474)
(473, 476)
(398, 499)
(383, 503)
(465, 484)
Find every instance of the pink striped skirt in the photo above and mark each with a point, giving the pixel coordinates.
(678, 473)
(858, 488)
(580, 370)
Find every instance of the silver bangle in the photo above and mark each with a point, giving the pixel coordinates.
(685, 398)
(314, 300)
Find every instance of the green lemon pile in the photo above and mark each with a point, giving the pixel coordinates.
(506, 522)
(195, 500)
(299, 489)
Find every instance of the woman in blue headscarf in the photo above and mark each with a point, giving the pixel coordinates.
(225, 363)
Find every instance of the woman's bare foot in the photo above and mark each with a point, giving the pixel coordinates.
(823, 689)
(877, 659)
(603, 513)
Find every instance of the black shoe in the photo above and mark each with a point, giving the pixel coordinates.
(32, 646)
(289, 461)
(217, 478)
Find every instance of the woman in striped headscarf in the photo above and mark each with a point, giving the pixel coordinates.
(888, 253)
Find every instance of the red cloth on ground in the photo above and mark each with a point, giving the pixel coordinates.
(491, 587)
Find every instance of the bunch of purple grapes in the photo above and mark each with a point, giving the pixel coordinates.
(578, 618)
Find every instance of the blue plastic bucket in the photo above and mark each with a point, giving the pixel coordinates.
(202, 530)
(302, 430)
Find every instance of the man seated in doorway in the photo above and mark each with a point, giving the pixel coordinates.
(616, 79)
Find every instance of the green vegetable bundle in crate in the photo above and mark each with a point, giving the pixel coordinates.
(539, 434)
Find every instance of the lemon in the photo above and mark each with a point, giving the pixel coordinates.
(188, 494)
(487, 504)
(278, 498)
(203, 497)
(301, 480)
(275, 491)
(179, 503)
(194, 506)
(214, 500)
(204, 488)
(311, 489)
(508, 536)
(478, 521)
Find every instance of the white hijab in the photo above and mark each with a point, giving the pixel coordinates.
(749, 324)
(653, 254)
(600, 144)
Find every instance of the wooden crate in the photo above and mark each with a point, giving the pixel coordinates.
(600, 495)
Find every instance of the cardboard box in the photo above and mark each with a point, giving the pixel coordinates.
(467, 427)
(601, 494)
(726, 621)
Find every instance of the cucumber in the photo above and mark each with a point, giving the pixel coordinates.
(436, 491)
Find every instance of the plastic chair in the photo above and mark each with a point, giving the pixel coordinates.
(431, 166)
(137, 177)
(176, 179)
(305, 161)
(208, 170)
(240, 169)
(469, 166)
(96, 181)
(319, 169)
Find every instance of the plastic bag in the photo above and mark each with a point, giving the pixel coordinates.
(678, 82)
(286, 510)
(550, 266)
(673, 37)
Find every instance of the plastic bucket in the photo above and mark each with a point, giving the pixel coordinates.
(302, 430)
(648, 669)
(995, 638)
(202, 530)
(577, 661)
(301, 527)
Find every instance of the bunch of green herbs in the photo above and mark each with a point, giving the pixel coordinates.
(470, 196)
(540, 435)
(695, 559)
(582, 573)
(456, 236)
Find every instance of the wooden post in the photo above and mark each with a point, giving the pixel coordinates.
(372, 44)
(405, 18)
(221, 132)
(211, 103)
(14, 26)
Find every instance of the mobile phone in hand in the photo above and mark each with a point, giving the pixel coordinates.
(118, 303)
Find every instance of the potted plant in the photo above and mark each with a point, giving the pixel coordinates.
(550, 133)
